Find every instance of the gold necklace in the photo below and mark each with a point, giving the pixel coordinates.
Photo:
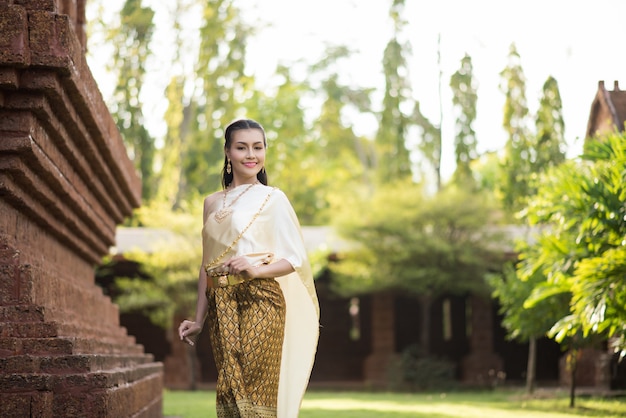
(223, 213)
(243, 231)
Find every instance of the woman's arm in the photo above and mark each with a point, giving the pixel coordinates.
(188, 329)
(240, 265)
(268, 271)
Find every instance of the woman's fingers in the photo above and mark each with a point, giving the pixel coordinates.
(237, 264)
(183, 329)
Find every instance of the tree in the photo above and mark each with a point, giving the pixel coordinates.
(464, 98)
(132, 50)
(581, 250)
(516, 167)
(549, 144)
(222, 87)
(292, 162)
(522, 322)
(345, 161)
(181, 110)
(526, 159)
(423, 246)
(393, 156)
(169, 177)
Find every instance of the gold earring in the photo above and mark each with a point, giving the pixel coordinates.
(229, 168)
(263, 170)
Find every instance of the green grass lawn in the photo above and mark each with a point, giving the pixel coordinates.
(497, 404)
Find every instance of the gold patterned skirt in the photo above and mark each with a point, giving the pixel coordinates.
(246, 324)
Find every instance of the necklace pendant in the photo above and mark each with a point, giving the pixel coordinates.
(222, 214)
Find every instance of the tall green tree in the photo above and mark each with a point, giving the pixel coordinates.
(345, 161)
(292, 154)
(181, 109)
(132, 51)
(222, 87)
(516, 167)
(393, 156)
(580, 253)
(549, 145)
(176, 118)
(544, 150)
(464, 98)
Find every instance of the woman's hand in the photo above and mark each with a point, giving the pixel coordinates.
(188, 329)
(240, 266)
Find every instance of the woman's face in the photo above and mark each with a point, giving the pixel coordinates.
(246, 154)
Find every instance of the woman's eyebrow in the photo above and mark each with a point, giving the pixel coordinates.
(245, 143)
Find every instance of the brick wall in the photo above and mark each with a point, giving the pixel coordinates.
(65, 183)
(482, 365)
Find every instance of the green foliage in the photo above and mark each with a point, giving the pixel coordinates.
(516, 167)
(415, 370)
(292, 155)
(394, 162)
(523, 317)
(581, 249)
(344, 160)
(430, 144)
(221, 87)
(170, 289)
(464, 99)
(422, 244)
(170, 177)
(132, 40)
(527, 156)
(170, 270)
(549, 146)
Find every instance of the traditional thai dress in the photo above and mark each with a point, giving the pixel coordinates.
(264, 332)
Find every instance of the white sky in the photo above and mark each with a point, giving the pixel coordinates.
(578, 42)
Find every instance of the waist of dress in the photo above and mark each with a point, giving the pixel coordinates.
(223, 280)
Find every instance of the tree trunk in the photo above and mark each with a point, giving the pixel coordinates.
(573, 363)
(531, 367)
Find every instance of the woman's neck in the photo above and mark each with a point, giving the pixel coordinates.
(235, 183)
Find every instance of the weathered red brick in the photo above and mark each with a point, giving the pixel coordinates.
(47, 5)
(14, 46)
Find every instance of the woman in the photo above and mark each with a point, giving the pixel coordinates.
(255, 287)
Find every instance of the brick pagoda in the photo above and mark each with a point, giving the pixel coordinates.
(65, 183)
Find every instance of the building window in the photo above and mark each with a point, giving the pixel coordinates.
(355, 323)
(468, 318)
(446, 319)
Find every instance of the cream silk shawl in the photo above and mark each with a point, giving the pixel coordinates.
(277, 231)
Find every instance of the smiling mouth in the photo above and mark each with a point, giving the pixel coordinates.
(249, 164)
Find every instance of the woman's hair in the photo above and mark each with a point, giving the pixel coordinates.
(228, 138)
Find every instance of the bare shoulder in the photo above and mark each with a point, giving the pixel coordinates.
(210, 199)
